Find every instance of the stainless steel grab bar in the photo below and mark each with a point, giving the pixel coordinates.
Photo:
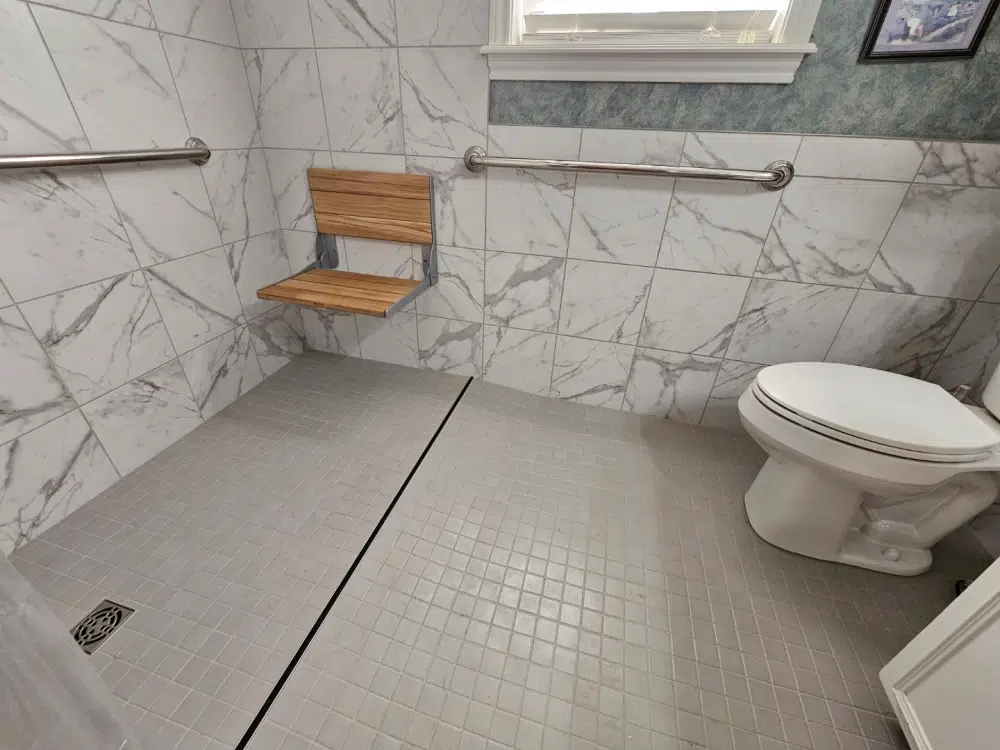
(774, 177)
(195, 149)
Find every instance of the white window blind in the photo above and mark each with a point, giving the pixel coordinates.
(719, 22)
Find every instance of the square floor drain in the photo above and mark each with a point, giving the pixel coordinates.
(103, 620)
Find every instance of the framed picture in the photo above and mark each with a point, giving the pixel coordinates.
(922, 29)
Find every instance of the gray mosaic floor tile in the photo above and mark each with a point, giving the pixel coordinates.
(554, 576)
(561, 576)
(229, 543)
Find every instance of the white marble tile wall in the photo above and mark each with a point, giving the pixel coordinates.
(631, 293)
(127, 305)
(660, 297)
(638, 294)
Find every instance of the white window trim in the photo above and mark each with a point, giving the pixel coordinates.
(610, 60)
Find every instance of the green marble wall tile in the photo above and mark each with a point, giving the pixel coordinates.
(831, 94)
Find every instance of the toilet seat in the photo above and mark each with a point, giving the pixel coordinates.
(875, 410)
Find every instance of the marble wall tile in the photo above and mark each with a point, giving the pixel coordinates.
(992, 291)
(534, 143)
(898, 332)
(670, 385)
(738, 150)
(166, 211)
(31, 392)
(262, 23)
(445, 91)
(354, 23)
(211, 81)
(733, 379)
(379, 162)
(718, 228)
(942, 243)
(528, 211)
(5, 300)
(222, 370)
(43, 214)
(949, 163)
(278, 337)
(453, 346)
(859, 158)
(633, 146)
(255, 263)
(377, 257)
(460, 289)
(783, 321)
(240, 191)
(208, 20)
(300, 247)
(619, 219)
(118, 79)
(438, 23)
(459, 201)
(392, 340)
(133, 12)
(333, 332)
(285, 88)
(604, 301)
(828, 231)
(692, 312)
(523, 291)
(196, 297)
(46, 475)
(291, 186)
(362, 98)
(591, 372)
(101, 335)
(518, 359)
(141, 418)
(38, 115)
(974, 353)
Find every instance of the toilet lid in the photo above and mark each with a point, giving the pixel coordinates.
(878, 406)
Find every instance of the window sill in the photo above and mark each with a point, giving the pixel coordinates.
(573, 61)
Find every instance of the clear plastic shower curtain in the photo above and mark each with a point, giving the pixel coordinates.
(51, 698)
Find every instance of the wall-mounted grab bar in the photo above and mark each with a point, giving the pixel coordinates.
(774, 177)
(195, 150)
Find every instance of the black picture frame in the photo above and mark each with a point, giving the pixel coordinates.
(875, 26)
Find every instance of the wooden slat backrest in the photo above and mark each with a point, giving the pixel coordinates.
(375, 205)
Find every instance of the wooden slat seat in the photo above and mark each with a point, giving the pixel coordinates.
(374, 205)
(341, 290)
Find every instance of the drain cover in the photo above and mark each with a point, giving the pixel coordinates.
(95, 628)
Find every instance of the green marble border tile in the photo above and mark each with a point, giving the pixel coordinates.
(831, 94)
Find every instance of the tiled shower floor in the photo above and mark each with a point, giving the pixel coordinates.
(553, 576)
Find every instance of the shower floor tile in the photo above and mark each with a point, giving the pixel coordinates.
(558, 576)
(553, 576)
(229, 544)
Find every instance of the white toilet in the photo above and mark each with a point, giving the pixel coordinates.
(867, 467)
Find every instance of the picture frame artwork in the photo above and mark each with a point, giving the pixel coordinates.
(926, 29)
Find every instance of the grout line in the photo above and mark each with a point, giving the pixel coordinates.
(223, 247)
(276, 690)
(154, 28)
(562, 288)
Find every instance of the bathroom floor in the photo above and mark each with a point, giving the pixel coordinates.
(551, 575)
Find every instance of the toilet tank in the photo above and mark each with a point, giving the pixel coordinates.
(991, 393)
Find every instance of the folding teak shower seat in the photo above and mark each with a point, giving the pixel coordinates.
(373, 205)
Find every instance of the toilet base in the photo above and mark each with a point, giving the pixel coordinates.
(812, 513)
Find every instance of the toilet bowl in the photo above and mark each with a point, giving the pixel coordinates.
(865, 467)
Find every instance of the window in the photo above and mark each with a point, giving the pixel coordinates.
(695, 41)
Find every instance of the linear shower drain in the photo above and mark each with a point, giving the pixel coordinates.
(103, 620)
